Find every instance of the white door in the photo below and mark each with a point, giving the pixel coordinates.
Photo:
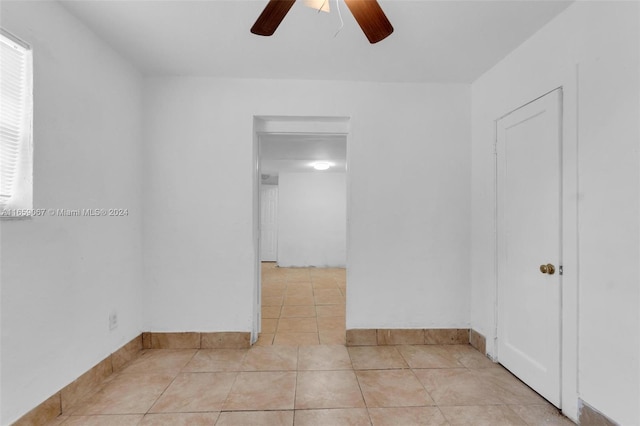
(269, 223)
(529, 243)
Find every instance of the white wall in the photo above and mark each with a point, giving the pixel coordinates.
(312, 219)
(591, 50)
(409, 177)
(61, 276)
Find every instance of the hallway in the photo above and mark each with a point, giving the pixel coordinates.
(302, 306)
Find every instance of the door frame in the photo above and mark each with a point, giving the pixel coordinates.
(500, 236)
(273, 124)
(569, 296)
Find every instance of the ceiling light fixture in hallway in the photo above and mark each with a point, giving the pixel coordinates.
(322, 165)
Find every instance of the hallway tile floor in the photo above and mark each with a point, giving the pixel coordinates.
(302, 306)
(301, 373)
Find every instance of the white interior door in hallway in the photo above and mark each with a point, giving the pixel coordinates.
(529, 242)
(269, 223)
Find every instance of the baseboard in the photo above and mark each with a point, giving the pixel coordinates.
(88, 382)
(428, 336)
(62, 400)
(80, 387)
(478, 341)
(43, 413)
(195, 340)
(589, 416)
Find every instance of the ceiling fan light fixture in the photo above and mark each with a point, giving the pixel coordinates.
(367, 13)
(322, 165)
(319, 5)
(371, 18)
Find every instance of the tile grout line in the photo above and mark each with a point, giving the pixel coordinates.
(315, 304)
(155, 401)
(355, 373)
(295, 390)
(235, 379)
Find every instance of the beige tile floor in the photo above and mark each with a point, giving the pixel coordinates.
(291, 382)
(302, 306)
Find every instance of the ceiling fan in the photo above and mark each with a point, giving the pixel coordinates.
(367, 13)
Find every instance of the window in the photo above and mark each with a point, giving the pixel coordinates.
(16, 113)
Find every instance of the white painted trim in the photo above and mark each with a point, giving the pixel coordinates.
(638, 159)
(301, 125)
(570, 278)
(264, 124)
(257, 289)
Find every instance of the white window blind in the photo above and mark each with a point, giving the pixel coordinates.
(16, 105)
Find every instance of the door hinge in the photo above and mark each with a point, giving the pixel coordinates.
(560, 270)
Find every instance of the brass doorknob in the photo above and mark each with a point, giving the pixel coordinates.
(548, 269)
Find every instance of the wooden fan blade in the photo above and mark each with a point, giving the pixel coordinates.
(271, 16)
(371, 18)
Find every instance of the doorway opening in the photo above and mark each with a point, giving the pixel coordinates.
(300, 223)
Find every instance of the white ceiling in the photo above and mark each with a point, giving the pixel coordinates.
(295, 153)
(446, 41)
(434, 41)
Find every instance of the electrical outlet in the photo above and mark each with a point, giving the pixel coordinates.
(113, 320)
